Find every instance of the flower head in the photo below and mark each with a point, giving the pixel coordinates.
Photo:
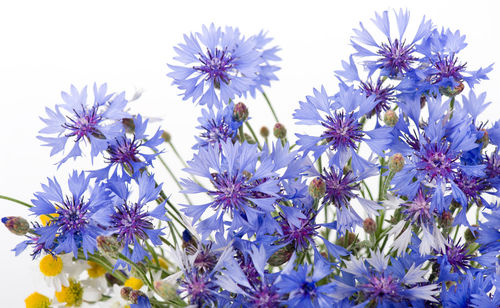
(216, 59)
(93, 123)
(217, 127)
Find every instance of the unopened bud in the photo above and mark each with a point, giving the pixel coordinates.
(448, 91)
(347, 240)
(390, 118)
(249, 138)
(264, 131)
(16, 225)
(240, 112)
(281, 256)
(111, 280)
(317, 188)
(108, 245)
(471, 236)
(279, 131)
(125, 292)
(369, 225)
(166, 290)
(446, 219)
(129, 125)
(134, 295)
(485, 139)
(166, 136)
(396, 162)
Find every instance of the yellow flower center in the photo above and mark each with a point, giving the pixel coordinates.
(71, 295)
(51, 265)
(37, 300)
(134, 283)
(45, 218)
(95, 270)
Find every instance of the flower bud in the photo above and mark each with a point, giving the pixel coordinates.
(317, 188)
(446, 219)
(485, 139)
(369, 225)
(279, 131)
(452, 92)
(166, 136)
(111, 280)
(125, 292)
(471, 236)
(390, 118)
(264, 131)
(249, 138)
(108, 245)
(396, 162)
(240, 112)
(166, 290)
(129, 124)
(281, 256)
(134, 295)
(347, 240)
(16, 225)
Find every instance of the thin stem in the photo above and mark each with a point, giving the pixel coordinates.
(174, 178)
(253, 134)
(177, 154)
(270, 107)
(16, 201)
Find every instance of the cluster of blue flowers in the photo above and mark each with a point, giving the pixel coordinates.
(387, 199)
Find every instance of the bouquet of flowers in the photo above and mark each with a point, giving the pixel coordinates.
(387, 197)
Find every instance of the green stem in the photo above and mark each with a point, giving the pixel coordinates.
(174, 178)
(16, 201)
(270, 107)
(253, 134)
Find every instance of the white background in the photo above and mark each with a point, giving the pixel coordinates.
(47, 45)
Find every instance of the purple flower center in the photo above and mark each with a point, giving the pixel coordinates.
(205, 259)
(299, 236)
(73, 216)
(436, 161)
(215, 133)
(308, 288)
(340, 187)
(130, 222)
(124, 151)
(458, 257)
(470, 186)
(383, 95)
(84, 124)
(419, 209)
(199, 287)
(265, 297)
(396, 58)
(342, 131)
(447, 67)
(493, 166)
(216, 65)
(233, 191)
(380, 288)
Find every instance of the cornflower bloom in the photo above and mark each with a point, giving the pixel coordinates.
(130, 153)
(132, 222)
(215, 60)
(217, 126)
(342, 120)
(76, 220)
(76, 119)
(396, 56)
(241, 189)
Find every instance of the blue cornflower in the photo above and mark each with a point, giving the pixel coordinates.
(383, 92)
(342, 188)
(142, 302)
(241, 189)
(489, 234)
(216, 60)
(132, 222)
(432, 157)
(303, 289)
(77, 219)
(471, 291)
(217, 126)
(382, 285)
(342, 120)
(130, 153)
(94, 123)
(395, 57)
(441, 49)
